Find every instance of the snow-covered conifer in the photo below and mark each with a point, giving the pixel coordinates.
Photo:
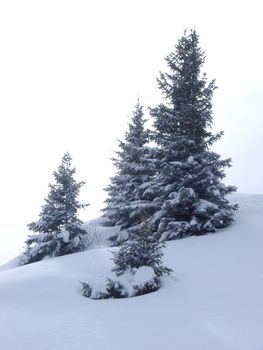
(58, 231)
(137, 267)
(124, 204)
(187, 191)
(142, 249)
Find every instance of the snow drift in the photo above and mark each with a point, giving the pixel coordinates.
(213, 299)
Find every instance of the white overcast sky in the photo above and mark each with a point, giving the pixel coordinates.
(70, 74)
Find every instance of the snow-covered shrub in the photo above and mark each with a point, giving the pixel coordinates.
(132, 283)
(86, 289)
(137, 268)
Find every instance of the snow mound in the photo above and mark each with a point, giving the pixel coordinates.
(11, 264)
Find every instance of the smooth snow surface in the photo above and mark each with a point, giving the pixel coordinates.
(212, 301)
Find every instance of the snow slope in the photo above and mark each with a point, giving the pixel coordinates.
(212, 301)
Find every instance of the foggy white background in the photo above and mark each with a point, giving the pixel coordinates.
(70, 75)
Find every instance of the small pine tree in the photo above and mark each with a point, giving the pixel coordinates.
(58, 230)
(137, 268)
(142, 249)
(134, 168)
(187, 191)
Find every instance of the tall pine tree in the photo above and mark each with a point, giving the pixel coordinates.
(125, 205)
(58, 230)
(187, 191)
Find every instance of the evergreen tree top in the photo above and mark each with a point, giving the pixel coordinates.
(188, 95)
(132, 148)
(65, 169)
(136, 134)
(61, 204)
